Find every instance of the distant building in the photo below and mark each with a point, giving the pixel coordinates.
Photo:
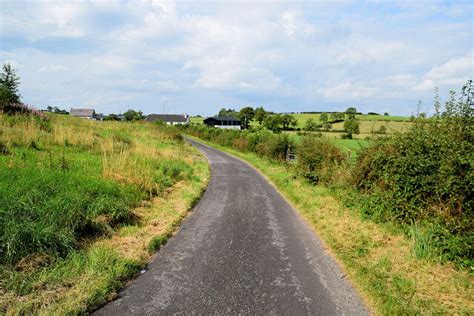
(83, 113)
(223, 122)
(170, 119)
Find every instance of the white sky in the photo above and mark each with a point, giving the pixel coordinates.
(199, 56)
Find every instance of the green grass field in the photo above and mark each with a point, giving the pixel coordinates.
(197, 120)
(82, 203)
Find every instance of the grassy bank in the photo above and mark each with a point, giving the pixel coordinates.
(83, 205)
(379, 258)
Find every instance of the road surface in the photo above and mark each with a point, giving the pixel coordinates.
(243, 250)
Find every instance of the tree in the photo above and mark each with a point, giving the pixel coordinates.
(246, 115)
(327, 126)
(132, 115)
(351, 126)
(112, 117)
(351, 112)
(260, 115)
(386, 114)
(311, 125)
(9, 82)
(228, 113)
(324, 117)
(288, 120)
(273, 122)
(337, 117)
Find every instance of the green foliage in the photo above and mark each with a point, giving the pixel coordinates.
(260, 115)
(288, 121)
(274, 147)
(426, 174)
(324, 117)
(311, 125)
(273, 122)
(228, 113)
(102, 264)
(351, 112)
(351, 126)
(112, 117)
(246, 115)
(132, 115)
(422, 177)
(55, 109)
(157, 242)
(9, 82)
(317, 159)
(279, 122)
(263, 142)
(336, 117)
(48, 211)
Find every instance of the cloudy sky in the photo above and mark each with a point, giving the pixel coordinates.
(198, 56)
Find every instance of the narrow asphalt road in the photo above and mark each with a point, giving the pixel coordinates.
(243, 250)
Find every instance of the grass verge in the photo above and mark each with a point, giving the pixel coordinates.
(378, 258)
(83, 206)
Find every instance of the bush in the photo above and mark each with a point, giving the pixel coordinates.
(317, 159)
(425, 174)
(275, 147)
(240, 144)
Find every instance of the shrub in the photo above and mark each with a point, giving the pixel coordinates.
(425, 174)
(317, 159)
(275, 147)
(240, 144)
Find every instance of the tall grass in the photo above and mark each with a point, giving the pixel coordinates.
(48, 212)
(67, 187)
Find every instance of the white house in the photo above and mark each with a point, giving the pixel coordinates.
(170, 119)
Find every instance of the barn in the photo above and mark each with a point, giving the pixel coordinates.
(83, 113)
(223, 122)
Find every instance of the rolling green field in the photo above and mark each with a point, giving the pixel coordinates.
(83, 205)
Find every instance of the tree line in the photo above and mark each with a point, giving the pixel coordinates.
(277, 122)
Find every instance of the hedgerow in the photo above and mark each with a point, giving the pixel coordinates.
(420, 178)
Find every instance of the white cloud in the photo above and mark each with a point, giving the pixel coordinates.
(348, 91)
(454, 72)
(281, 53)
(52, 68)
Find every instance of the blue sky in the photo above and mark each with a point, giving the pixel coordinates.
(198, 56)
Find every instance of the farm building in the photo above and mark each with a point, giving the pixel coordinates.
(83, 113)
(170, 119)
(223, 122)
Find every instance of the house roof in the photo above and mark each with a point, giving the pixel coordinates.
(82, 112)
(180, 118)
(224, 118)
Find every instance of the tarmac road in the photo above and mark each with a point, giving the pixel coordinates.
(243, 250)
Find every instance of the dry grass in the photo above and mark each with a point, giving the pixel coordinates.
(368, 127)
(130, 153)
(160, 216)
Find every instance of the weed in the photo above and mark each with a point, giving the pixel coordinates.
(157, 242)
